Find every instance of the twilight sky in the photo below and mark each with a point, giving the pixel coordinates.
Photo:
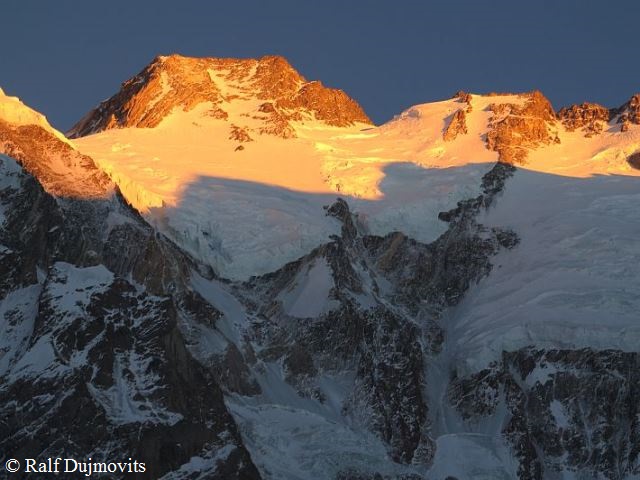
(63, 57)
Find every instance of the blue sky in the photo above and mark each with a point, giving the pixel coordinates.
(63, 57)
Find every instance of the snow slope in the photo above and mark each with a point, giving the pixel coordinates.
(249, 211)
(572, 281)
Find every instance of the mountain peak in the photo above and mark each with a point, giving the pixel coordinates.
(229, 86)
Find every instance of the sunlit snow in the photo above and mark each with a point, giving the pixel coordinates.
(248, 212)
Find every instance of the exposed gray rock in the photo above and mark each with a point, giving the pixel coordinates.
(382, 335)
(568, 410)
(99, 298)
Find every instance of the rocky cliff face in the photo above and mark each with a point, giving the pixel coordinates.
(182, 83)
(515, 129)
(62, 171)
(628, 113)
(92, 360)
(457, 126)
(376, 321)
(590, 118)
(565, 412)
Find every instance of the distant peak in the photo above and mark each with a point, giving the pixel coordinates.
(175, 81)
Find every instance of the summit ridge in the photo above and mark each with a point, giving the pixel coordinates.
(268, 89)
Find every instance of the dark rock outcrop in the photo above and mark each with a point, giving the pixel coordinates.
(457, 126)
(634, 160)
(589, 117)
(239, 134)
(515, 129)
(567, 410)
(628, 113)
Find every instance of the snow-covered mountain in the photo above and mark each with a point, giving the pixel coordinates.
(239, 276)
(92, 359)
(269, 189)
